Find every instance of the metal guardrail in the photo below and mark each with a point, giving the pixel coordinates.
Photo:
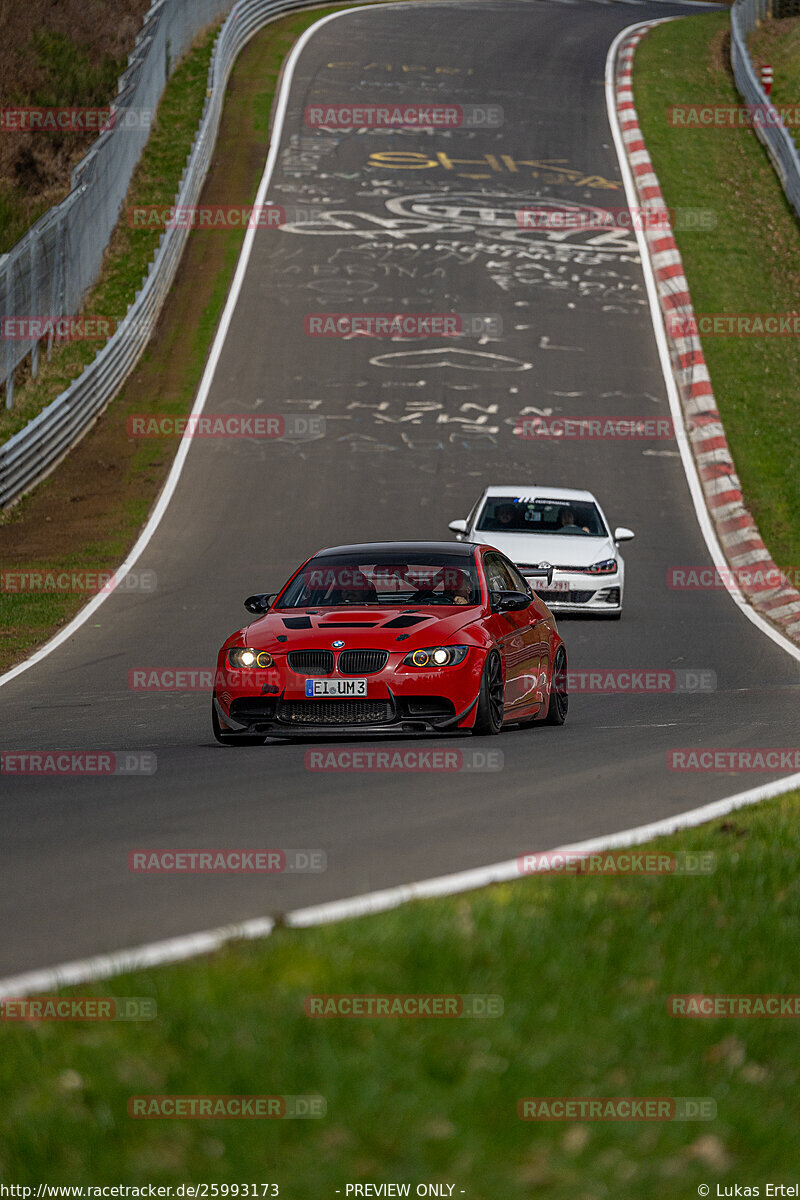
(778, 141)
(33, 452)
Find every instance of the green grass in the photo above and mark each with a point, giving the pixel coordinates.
(69, 74)
(584, 966)
(777, 43)
(72, 75)
(16, 219)
(749, 263)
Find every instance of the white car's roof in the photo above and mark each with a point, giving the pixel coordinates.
(533, 489)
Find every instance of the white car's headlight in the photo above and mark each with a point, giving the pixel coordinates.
(607, 567)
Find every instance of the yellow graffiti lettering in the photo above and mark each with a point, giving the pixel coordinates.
(402, 160)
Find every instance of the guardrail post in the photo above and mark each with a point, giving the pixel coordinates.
(57, 298)
(9, 357)
(34, 294)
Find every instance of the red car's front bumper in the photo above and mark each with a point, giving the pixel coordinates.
(400, 699)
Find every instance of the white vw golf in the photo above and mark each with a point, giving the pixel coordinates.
(559, 527)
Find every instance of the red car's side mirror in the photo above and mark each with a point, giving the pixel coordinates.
(259, 603)
(510, 601)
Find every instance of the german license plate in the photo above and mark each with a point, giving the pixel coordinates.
(336, 687)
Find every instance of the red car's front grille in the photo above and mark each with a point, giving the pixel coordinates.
(311, 662)
(361, 662)
(335, 712)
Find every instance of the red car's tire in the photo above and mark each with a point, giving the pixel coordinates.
(559, 696)
(491, 700)
(232, 739)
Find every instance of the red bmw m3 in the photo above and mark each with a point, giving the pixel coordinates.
(393, 638)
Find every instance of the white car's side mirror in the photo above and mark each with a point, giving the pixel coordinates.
(461, 527)
(621, 534)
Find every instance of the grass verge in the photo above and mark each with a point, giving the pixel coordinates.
(749, 263)
(584, 965)
(777, 44)
(87, 515)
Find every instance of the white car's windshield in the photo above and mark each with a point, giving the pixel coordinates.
(516, 514)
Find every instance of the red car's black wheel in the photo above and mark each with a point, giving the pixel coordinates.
(232, 739)
(491, 701)
(559, 695)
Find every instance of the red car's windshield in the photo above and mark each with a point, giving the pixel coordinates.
(387, 579)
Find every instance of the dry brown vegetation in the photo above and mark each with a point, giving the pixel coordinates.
(54, 53)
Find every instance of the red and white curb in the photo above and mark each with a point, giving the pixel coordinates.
(736, 530)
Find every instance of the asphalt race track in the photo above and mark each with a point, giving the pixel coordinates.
(414, 430)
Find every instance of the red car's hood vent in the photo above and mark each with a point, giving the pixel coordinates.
(401, 621)
(350, 624)
(361, 628)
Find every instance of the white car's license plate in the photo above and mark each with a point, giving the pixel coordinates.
(557, 585)
(336, 687)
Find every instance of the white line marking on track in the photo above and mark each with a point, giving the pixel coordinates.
(104, 966)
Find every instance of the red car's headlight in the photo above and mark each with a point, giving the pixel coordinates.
(241, 658)
(436, 656)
